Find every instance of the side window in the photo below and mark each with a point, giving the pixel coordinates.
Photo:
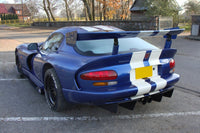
(52, 43)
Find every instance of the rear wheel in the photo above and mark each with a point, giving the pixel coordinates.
(53, 91)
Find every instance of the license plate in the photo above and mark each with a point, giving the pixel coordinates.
(143, 72)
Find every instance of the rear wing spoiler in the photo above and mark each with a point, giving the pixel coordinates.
(169, 34)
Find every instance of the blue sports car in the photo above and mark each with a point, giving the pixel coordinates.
(100, 65)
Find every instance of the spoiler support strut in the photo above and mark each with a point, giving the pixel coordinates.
(168, 42)
(115, 46)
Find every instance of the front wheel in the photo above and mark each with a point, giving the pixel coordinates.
(53, 91)
(19, 67)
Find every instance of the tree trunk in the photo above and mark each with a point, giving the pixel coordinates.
(100, 11)
(70, 13)
(104, 10)
(66, 8)
(49, 8)
(93, 11)
(86, 16)
(46, 11)
(88, 9)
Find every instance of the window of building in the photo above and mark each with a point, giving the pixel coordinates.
(18, 12)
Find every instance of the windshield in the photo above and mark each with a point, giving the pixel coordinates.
(105, 46)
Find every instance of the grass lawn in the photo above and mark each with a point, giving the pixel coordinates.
(19, 25)
(186, 26)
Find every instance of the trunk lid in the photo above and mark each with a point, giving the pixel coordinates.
(132, 69)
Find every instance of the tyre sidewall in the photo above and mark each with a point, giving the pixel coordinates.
(18, 64)
(60, 100)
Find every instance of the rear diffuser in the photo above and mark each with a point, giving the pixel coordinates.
(128, 105)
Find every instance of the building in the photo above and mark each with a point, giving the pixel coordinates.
(19, 9)
(3, 9)
(138, 8)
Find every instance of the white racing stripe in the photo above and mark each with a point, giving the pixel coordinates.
(106, 28)
(143, 87)
(160, 82)
(150, 33)
(89, 29)
(137, 61)
(94, 118)
(155, 61)
(144, 33)
(162, 33)
(154, 57)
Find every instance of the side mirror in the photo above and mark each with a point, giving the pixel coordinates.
(33, 46)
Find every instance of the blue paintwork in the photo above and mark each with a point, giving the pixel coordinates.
(69, 65)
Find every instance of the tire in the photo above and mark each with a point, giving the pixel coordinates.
(53, 91)
(19, 67)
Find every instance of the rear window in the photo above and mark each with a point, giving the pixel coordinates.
(105, 46)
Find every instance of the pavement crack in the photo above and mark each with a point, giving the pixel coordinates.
(187, 90)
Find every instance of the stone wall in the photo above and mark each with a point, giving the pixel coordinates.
(131, 25)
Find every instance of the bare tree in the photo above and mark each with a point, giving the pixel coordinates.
(93, 11)
(104, 9)
(68, 11)
(33, 6)
(46, 11)
(86, 4)
(49, 8)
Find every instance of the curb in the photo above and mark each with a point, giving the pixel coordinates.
(197, 38)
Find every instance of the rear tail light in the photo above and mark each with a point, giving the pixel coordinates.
(100, 75)
(172, 63)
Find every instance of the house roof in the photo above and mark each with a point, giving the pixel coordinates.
(11, 8)
(18, 7)
(138, 5)
(3, 9)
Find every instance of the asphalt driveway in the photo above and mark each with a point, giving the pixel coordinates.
(23, 109)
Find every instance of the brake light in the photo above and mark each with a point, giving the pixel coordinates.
(100, 75)
(172, 63)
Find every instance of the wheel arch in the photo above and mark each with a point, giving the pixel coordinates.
(45, 68)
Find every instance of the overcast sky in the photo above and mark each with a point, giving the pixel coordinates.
(181, 2)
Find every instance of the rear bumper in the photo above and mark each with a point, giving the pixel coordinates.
(121, 96)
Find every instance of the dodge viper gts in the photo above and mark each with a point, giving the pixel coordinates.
(100, 65)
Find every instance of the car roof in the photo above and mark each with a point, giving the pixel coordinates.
(88, 29)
